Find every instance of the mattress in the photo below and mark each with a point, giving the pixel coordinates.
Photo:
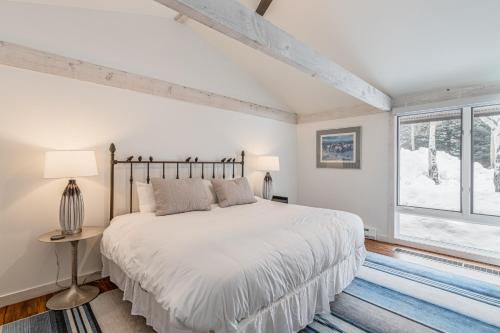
(263, 267)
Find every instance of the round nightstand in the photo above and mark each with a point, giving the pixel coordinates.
(75, 295)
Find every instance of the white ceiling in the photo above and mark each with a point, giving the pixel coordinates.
(398, 46)
(143, 7)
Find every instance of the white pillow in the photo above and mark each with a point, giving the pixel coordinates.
(146, 197)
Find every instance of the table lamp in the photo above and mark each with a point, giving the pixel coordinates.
(70, 164)
(267, 164)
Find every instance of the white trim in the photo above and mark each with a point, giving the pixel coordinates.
(457, 103)
(44, 289)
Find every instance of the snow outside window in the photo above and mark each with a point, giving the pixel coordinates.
(445, 231)
(430, 148)
(486, 160)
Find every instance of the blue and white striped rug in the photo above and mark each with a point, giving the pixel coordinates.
(80, 319)
(388, 296)
(392, 296)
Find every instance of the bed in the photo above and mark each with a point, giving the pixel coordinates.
(262, 267)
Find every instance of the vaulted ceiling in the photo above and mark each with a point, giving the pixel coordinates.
(398, 46)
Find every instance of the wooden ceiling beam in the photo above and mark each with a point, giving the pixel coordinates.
(263, 6)
(40, 61)
(234, 20)
(338, 113)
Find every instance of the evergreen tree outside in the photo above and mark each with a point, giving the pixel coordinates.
(448, 139)
(481, 143)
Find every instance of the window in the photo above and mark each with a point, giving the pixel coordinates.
(486, 160)
(446, 231)
(430, 149)
(448, 178)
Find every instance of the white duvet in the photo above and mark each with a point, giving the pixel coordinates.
(211, 270)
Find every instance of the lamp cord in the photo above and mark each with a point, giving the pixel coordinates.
(58, 270)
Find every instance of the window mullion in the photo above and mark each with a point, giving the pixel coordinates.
(466, 161)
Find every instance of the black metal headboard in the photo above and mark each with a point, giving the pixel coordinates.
(224, 163)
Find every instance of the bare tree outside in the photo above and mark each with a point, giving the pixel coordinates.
(493, 122)
(433, 171)
(430, 160)
(412, 137)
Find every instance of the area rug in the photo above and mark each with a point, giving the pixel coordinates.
(388, 296)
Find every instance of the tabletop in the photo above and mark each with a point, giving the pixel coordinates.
(87, 232)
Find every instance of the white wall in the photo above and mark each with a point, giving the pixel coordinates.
(157, 47)
(40, 112)
(365, 192)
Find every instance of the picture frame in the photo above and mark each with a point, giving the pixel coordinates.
(339, 148)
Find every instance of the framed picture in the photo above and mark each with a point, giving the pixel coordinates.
(339, 148)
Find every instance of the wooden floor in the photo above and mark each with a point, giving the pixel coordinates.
(390, 250)
(37, 305)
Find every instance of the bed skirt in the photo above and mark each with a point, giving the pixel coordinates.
(289, 314)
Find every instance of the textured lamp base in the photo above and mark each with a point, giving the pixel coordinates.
(72, 297)
(71, 232)
(71, 209)
(267, 187)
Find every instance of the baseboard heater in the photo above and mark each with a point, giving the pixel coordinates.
(455, 263)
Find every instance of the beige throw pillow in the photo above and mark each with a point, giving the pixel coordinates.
(233, 192)
(174, 196)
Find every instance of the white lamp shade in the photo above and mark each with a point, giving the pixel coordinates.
(268, 163)
(70, 164)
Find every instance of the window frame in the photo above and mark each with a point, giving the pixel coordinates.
(472, 162)
(465, 214)
(398, 174)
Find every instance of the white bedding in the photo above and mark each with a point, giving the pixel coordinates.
(219, 270)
